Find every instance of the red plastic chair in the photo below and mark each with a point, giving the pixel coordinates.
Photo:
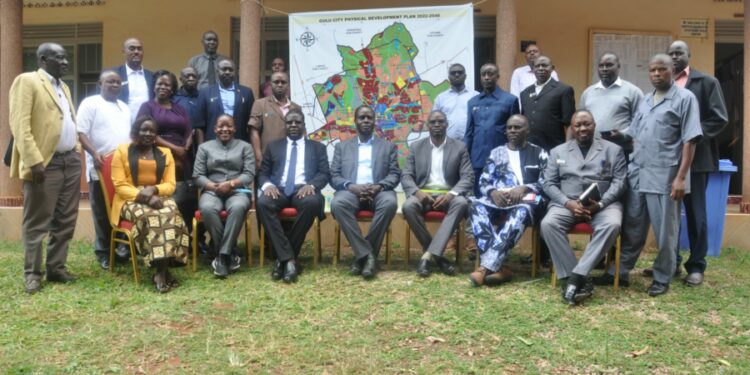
(290, 214)
(437, 217)
(366, 217)
(124, 227)
(587, 229)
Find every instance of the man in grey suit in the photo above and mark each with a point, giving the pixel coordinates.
(437, 176)
(572, 168)
(364, 173)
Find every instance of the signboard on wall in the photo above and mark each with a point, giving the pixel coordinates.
(394, 60)
(694, 28)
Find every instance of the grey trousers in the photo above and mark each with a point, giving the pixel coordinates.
(51, 208)
(344, 207)
(555, 226)
(664, 215)
(224, 234)
(100, 217)
(413, 210)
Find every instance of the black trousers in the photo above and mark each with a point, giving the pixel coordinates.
(695, 212)
(287, 245)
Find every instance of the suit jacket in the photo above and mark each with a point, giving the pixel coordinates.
(457, 168)
(317, 172)
(125, 92)
(385, 169)
(35, 121)
(568, 174)
(713, 113)
(125, 188)
(548, 113)
(209, 108)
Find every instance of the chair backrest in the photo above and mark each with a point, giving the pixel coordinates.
(105, 180)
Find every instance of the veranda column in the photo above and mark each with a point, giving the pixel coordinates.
(250, 19)
(505, 40)
(11, 24)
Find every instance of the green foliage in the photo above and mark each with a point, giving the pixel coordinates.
(330, 322)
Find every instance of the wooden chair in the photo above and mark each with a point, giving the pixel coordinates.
(587, 229)
(290, 214)
(124, 227)
(437, 217)
(366, 217)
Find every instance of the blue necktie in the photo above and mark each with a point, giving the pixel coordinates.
(292, 173)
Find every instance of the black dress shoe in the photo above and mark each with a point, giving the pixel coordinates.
(607, 279)
(33, 286)
(61, 277)
(278, 271)
(356, 267)
(424, 268)
(221, 268)
(657, 289)
(649, 272)
(446, 267)
(370, 268)
(569, 295)
(694, 279)
(290, 272)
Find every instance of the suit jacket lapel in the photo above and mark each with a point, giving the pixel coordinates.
(575, 151)
(309, 158)
(50, 90)
(282, 161)
(376, 146)
(548, 87)
(596, 147)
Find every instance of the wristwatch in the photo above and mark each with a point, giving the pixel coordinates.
(601, 205)
(231, 183)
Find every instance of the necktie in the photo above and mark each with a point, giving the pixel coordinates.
(292, 173)
(211, 73)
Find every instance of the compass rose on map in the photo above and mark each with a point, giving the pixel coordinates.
(307, 39)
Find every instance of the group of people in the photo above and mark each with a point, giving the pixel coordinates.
(501, 161)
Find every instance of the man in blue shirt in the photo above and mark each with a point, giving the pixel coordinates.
(454, 102)
(485, 124)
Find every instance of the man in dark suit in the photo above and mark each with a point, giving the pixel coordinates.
(137, 82)
(364, 173)
(548, 104)
(438, 175)
(227, 97)
(293, 173)
(713, 117)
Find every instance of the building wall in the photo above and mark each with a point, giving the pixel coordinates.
(171, 29)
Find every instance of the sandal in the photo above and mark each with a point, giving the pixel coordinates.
(160, 287)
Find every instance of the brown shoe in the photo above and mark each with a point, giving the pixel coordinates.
(499, 277)
(477, 277)
(451, 245)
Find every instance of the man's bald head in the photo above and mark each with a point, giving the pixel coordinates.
(660, 72)
(133, 51)
(679, 52)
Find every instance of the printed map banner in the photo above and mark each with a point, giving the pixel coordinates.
(394, 60)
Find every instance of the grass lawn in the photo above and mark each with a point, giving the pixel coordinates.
(332, 323)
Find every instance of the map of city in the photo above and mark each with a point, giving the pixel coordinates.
(383, 76)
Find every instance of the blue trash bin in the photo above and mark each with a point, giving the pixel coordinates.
(717, 191)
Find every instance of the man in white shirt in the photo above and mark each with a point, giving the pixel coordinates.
(45, 156)
(293, 173)
(523, 76)
(103, 124)
(437, 177)
(137, 82)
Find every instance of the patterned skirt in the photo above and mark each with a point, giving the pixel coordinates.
(158, 234)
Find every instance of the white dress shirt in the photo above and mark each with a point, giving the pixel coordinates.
(524, 77)
(68, 134)
(436, 181)
(106, 124)
(514, 157)
(137, 91)
(299, 170)
(364, 162)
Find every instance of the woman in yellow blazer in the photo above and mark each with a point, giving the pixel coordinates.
(144, 179)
